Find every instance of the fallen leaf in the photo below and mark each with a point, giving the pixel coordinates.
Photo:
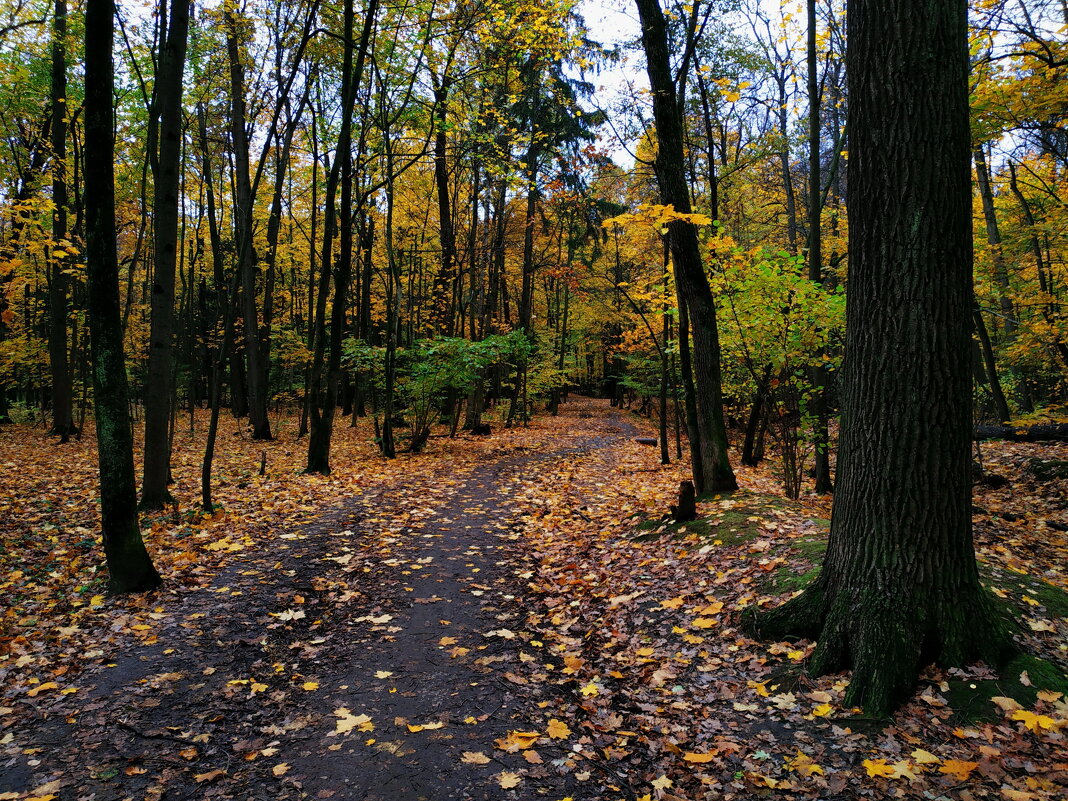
(957, 769)
(557, 729)
(507, 780)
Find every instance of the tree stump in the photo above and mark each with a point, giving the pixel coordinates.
(687, 508)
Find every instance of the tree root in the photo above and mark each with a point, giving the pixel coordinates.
(887, 639)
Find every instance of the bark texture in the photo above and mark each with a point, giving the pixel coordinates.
(899, 587)
(166, 165)
(129, 565)
(690, 276)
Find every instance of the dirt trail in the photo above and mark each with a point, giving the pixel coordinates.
(307, 671)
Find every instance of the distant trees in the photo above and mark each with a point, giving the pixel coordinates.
(286, 245)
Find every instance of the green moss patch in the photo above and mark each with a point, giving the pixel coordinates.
(1021, 680)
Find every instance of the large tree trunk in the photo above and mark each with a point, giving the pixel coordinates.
(166, 173)
(689, 269)
(62, 400)
(129, 565)
(899, 585)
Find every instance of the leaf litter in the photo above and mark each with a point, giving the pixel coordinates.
(583, 644)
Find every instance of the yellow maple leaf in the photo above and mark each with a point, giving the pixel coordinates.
(310, 685)
(474, 758)
(672, 603)
(1034, 722)
(507, 779)
(383, 674)
(40, 688)
(903, 769)
(280, 769)
(347, 721)
(557, 729)
(518, 740)
(958, 769)
(590, 689)
(924, 757)
(705, 622)
(877, 767)
(803, 764)
(823, 710)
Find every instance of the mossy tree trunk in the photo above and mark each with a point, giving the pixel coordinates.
(129, 564)
(899, 586)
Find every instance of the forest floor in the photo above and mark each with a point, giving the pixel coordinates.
(506, 617)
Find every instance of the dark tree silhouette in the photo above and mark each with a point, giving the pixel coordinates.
(129, 564)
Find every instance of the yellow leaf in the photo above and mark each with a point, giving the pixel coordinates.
(210, 776)
(257, 687)
(518, 740)
(507, 780)
(823, 710)
(447, 641)
(96, 600)
(957, 769)
(877, 767)
(40, 688)
(1034, 722)
(803, 764)
(705, 622)
(672, 603)
(557, 729)
(310, 685)
(699, 759)
(383, 674)
(589, 689)
(347, 721)
(474, 758)
(924, 757)
(280, 769)
(903, 769)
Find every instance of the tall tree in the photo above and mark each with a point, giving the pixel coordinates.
(129, 566)
(690, 276)
(256, 376)
(62, 405)
(165, 159)
(815, 259)
(899, 585)
(324, 384)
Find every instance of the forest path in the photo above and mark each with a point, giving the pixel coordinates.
(360, 659)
